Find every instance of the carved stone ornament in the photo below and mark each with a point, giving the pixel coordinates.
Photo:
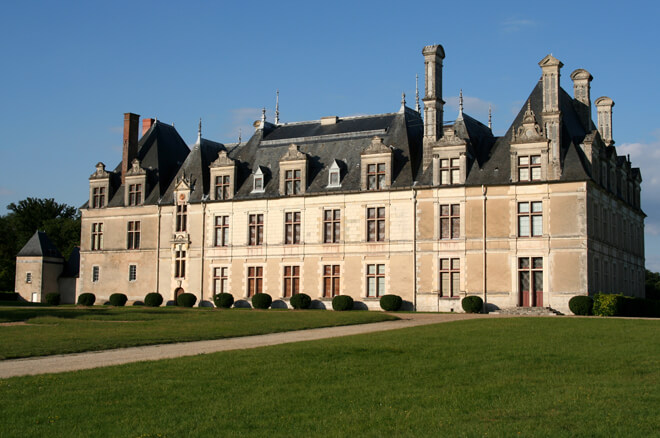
(451, 139)
(100, 172)
(135, 168)
(376, 147)
(223, 160)
(183, 183)
(529, 131)
(293, 154)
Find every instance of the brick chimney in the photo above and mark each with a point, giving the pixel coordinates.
(129, 153)
(146, 125)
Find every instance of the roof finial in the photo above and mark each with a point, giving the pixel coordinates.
(460, 103)
(263, 115)
(240, 134)
(199, 131)
(490, 118)
(417, 93)
(277, 107)
(403, 103)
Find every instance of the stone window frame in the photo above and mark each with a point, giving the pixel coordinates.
(292, 182)
(255, 235)
(96, 243)
(132, 272)
(221, 277)
(181, 220)
(292, 227)
(134, 194)
(533, 149)
(258, 181)
(374, 154)
(133, 235)
(293, 161)
(222, 187)
(99, 187)
(254, 280)
(451, 271)
(334, 171)
(331, 276)
(28, 277)
(222, 167)
(96, 273)
(530, 215)
(291, 280)
(376, 275)
(221, 234)
(377, 220)
(531, 269)
(451, 218)
(180, 263)
(331, 227)
(99, 196)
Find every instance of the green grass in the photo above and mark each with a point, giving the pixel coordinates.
(499, 377)
(57, 330)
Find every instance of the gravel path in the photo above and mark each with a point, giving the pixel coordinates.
(82, 361)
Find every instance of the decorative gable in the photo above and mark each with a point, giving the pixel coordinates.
(182, 189)
(529, 150)
(293, 171)
(376, 165)
(223, 177)
(135, 184)
(99, 187)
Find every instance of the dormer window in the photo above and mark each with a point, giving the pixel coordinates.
(223, 175)
(376, 165)
(258, 181)
(529, 168)
(135, 184)
(292, 182)
(98, 197)
(376, 176)
(99, 187)
(334, 175)
(450, 171)
(134, 194)
(293, 171)
(222, 187)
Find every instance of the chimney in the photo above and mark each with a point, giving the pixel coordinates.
(604, 108)
(130, 142)
(582, 96)
(146, 125)
(550, 67)
(433, 103)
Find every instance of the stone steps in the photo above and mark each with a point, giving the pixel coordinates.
(527, 311)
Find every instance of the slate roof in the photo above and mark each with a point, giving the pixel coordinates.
(39, 245)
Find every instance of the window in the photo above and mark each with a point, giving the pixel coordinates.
(450, 221)
(222, 187)
(530, 281)
(98, 197)
(334, 175)
(530, 219)
(95, 274)
(291, 281)
(330, 281)
(258, 181)
(375, 176)
(256, 229)
(134, 194)
(97, 236)
(450, 171)
(255, 280)
(450, 275)
(331, 226)
(28, 277)
(181, 217)
(292, 182)
(375, 280)
(529, 168)
(179, 264)
(220, 279)
(375, 224)
(133, 235)
(221, 231)
(132, 272)
(292, 228)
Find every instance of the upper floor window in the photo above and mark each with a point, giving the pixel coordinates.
(530, 219)
(450, 221)
(376, 176)
(292, 228)
(258, 180)
(256, 229)
(291, 281)
(222, 187)
(179, 264)
(334, 175)
(134, 194)
(97, 236)
(221, 231)
(181, 217)
(292, 180)
(450, 171)
(529, 168)
(98, 197)
(375, 224)
(331, 226)
(133, 235)
(375, 280)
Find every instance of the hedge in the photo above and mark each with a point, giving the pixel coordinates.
(153, 299)
(390, 303)
(472, 304)
(581, 305)
(301, 301)
(8, 296)
(261, 301)
(186, 300)
(342, 302)
(621, 305)
(223, 300)
(53, 299)
(118, 299)
(86, 299)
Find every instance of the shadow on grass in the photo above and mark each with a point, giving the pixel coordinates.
(89, 313)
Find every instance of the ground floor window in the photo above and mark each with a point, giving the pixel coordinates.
(255, 280)
(450, 275)
(375, 280)
(291, 281)
(95, 274)
(530, 281)
(331, 275)
(132, 272)
(220, 279)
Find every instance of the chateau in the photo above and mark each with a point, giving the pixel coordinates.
(402, 203)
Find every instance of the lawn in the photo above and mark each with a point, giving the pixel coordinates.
(489, 377)
(58, 330)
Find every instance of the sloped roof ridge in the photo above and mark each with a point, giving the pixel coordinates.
(39, 245)
(361, 116)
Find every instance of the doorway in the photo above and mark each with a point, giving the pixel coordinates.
(530, 282)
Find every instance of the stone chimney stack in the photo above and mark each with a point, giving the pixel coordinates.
(433, 103)
(146, 125)
(604, 108)
(582, 96)
(129, 153)
(551, 115)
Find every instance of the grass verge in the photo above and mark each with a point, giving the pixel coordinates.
(501, 377)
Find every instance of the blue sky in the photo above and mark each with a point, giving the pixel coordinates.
(71, 69)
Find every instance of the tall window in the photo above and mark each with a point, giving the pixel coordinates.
(132, 272)
(330, 281)
(450, 171)
(256, 229)
(291, 281)
(331, 226)
(375, 280)
(134, 194)
(98, 197)
(95, 274)
(450, 221)
(181, 217)
(28, 277)
(221, 231)
(530, 281)
(375, 176)
(292, 228)
(180, 264)
(530, 219)
(529, 168)
(97, 236)
(292, 182)
(450, 274)
(220, 279)
(133, 235)
(222, 187)
(375, 224)
(255, 280)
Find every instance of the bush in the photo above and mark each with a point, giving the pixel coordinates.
(342, 302)
(608, 304)
(472, 304)
(118, 299)
(186, 300)
(223, 300)
(300, 301)
(153, 299)
(390, 303)
(86, 299)
(8, 296)
(261, 301)
(581, 305)
(53, 299)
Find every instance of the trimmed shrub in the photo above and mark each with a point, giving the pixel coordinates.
(86, 299)
(53, 299)
(342, 302)
(118, 299)
(186, 300)
(581, 305)
(261, 301)
(608, 305)
(8, 296)
(390, 303)
(472, 304)
(153, 299)
(300, 301)
(223, 300)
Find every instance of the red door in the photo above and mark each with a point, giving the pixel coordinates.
(524, 289)
(538, 289)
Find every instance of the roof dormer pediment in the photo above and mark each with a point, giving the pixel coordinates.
(222, 161)
(377, 146)
(293, 154)
(529, 131)
(100, 172)
(135, 169)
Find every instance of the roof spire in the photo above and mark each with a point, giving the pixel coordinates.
(490, 118)
(199, 131)
(263, 115)
(417, 93)
(460, 104)
(240, 134)
(403, 102)
(277, 107)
